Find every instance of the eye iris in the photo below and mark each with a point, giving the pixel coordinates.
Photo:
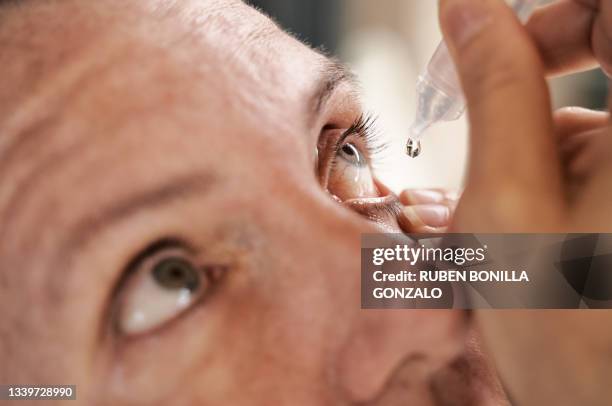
(348, 149)
(175, 273)
(350, 153)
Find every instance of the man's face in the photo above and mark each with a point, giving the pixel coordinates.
(172, 233)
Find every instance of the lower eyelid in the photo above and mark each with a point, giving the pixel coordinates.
(377, 208)
(361, 134)
(346, 188)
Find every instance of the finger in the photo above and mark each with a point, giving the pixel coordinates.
(570, 121)
(569, 49)
(408, 228)
(584, 152)
(602, 36)
(508, 100)
(577, 130)
(581, 163)
(421, 196)
(431, 230)
(427, 215)
(411, 197)
(572, 146)
(585, 40)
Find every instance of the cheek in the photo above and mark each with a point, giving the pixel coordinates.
(348, 181)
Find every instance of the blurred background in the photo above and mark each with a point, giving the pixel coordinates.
(387, 43)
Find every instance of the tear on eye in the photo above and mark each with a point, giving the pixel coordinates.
(351, 176)
(160, 289)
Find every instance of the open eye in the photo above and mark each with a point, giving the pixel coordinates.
(345, 160)
(351, 154)
(351, 176)
(161, 288)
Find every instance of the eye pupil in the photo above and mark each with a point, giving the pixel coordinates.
(351, 154)
(349, 150)
(175, 273)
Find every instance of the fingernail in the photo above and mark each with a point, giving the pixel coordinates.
(463, 19)
(453, 196)
(412, 197)
(432, 215)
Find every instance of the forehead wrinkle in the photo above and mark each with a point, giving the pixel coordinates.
(88, 228)
(43, 146)
(41, 75)
(40, 104)
(268, 31)
(82, 100)
(13, 211)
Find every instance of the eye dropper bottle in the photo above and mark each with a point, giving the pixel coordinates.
(439, 93)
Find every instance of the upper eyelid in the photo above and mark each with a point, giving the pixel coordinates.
(364, 129)
(329, 148)
(360, 127)
(340, 141)
(159, 245)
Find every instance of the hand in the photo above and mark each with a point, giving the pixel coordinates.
(579, 133)
(521, 180)
(582, 135)
(574, 35)
(427, 210)
(515, 178)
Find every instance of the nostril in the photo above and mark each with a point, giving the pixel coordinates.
(392, 354)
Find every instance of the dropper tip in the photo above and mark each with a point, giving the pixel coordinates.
(417, 129)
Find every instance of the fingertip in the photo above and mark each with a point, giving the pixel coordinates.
(461, 20)
(421, 196)
(431, 215)
(507, 96)
(570, 112)
(570, 121)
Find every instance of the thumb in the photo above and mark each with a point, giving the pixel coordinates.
(512, 145)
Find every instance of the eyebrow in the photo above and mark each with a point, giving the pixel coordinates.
(333, 74)
(174, 189)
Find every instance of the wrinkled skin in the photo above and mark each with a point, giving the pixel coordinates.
(127, 123)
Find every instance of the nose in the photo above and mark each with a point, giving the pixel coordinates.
(373, 346)
(388, 343)
(384, 344)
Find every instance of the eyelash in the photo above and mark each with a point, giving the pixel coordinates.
(365, 138)
(365, 129)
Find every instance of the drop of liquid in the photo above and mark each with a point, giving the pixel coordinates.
(413, 148)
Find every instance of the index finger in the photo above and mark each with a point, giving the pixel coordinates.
(573, 35)
(512, 143)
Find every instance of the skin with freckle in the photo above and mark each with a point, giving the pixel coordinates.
(136, 131)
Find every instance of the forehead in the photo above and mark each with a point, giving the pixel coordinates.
(88, 71)
(104, 97)
(240, 57)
